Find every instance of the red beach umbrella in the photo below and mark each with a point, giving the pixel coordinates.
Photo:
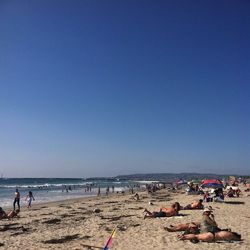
(212, 183)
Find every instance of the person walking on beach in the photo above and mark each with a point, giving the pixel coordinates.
(99, 191)
(29, 199)
(16, 200)
(107, 190)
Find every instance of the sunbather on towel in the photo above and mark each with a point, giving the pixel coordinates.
(164, 211)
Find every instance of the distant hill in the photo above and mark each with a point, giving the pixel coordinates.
(170, 177)
(166, 177)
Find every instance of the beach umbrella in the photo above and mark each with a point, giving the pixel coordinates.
(212, 183)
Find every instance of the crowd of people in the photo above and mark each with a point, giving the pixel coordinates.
(206, 229)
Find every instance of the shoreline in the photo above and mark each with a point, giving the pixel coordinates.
(73, 200)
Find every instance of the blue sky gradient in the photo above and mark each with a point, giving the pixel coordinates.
(100, 88)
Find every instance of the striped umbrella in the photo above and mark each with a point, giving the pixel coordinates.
(212, 183)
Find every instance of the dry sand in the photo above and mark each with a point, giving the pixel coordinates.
(72, 224)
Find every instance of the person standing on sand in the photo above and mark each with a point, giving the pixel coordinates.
(107, 190)
(16, 200)
(29, 199)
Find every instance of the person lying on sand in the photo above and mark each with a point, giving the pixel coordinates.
(13, 213)
(3, 215)
(212, 237)
(207, 224)
(164, 211)
(209, 231)
(173, 210)
(194, 205)
(10, 215)
(190, 227)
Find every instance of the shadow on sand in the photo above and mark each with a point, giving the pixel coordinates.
(235, 202)
(64, 239)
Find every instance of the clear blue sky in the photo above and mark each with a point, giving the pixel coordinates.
(100, 88)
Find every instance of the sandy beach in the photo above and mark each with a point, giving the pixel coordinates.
(72, 224)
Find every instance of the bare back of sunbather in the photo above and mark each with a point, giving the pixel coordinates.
(183, 227)
(212, 237)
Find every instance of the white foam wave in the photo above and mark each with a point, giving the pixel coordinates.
(147, 182)
(47, 185)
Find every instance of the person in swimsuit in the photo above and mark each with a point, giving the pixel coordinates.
(10, 215)
(173, 210)
(164, 211)
(16, 200)
(209, 231)
(192, 226)
(13, 213)
(208, 223)
(194, 205)
(29, 199)
(98, 191)
(212, 237)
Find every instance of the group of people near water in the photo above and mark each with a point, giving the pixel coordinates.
(29, 198)
(14, 213)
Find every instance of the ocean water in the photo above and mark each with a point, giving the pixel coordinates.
(55, 189)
